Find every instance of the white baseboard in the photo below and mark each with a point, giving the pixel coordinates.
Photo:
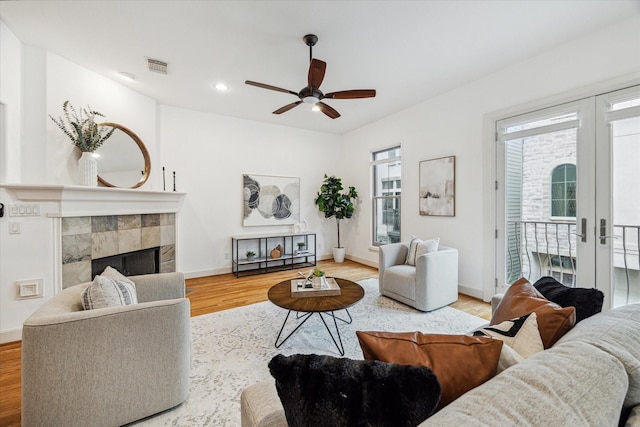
(472, 292)
(367, 262)
(10, 335)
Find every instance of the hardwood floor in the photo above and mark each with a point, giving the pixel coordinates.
(207, 295)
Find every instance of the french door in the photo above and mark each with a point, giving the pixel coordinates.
(568, 191)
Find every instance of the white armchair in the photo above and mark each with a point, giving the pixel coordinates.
(430, 284)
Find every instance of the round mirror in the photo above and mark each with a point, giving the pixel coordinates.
(123, 159)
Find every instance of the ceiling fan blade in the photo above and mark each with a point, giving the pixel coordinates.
(329, 111)
(265, 86)
(352, 94)
(287, 107)
(316, 73)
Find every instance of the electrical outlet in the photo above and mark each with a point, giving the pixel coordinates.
(319, 246)
(226, 255)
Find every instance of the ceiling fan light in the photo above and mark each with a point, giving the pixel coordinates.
(315, 108)
(310, 100)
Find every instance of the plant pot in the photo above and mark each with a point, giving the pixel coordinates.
(316, 281)
(338, 254)
(88, 170)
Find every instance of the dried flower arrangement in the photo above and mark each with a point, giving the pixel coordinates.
(83, 131)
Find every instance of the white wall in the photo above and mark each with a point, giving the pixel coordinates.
(210, 153)
(454, 124)
(10, 98)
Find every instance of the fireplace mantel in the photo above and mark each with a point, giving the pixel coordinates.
(73, 200)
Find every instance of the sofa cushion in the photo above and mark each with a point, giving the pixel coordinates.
(419, 247)
(520, 334)
(574, 384)
(616, 332)
(522, 298)
(104, 292)
(401, 279)
(460, 362)
(587, 302)
(320, 390)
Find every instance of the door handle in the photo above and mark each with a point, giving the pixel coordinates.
(583, 227)
(603, 232)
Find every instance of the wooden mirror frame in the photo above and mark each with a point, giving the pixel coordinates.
(141, 146)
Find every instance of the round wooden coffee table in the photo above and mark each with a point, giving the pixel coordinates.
(350, 293)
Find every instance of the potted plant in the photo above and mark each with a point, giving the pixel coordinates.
(250, 255)
(301, 246)
(85, 133)
(333, 203)
(317, 277)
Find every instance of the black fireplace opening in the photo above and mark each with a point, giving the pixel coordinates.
(146, 261)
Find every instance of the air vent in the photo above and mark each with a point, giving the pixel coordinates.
(157, 66)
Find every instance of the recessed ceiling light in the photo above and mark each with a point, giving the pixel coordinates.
(221, 87)
(315, 108)
(127, 76)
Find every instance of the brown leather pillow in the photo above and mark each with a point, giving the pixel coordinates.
(522, 298)
(460, 362)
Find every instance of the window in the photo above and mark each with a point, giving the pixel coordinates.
(386, 176)
(563, 191)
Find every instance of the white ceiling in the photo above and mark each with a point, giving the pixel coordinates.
(407, 50)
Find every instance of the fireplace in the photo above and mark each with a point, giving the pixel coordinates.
(146, 261)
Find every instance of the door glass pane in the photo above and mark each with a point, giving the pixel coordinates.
(538, 185)
(625, 150)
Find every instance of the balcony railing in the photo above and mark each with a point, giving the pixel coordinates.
(548, 248)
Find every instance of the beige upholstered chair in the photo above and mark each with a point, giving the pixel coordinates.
(109, 366)
(430, 284)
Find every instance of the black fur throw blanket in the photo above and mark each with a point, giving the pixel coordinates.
(327, 391)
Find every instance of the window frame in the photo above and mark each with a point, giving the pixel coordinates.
(565, 199)
(392, 194)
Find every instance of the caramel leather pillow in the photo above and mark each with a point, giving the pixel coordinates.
(522, 298)
(460, 362)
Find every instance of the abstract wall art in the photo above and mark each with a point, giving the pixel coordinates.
(270, 200)
(437, 187)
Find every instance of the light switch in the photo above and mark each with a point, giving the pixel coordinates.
(15, 228)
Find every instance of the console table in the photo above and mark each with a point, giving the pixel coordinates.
(262, 246)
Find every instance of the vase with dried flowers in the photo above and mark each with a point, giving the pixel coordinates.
(85, 133)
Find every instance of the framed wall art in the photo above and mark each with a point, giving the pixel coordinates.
(438, 186)
(270, 200)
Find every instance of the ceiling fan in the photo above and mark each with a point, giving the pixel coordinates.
(311, 94)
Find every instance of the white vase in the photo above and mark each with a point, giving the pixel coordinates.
(317, 282)
(88, 170)
(338, 254)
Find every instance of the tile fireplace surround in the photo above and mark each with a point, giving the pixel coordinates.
(96, 222)
(87, 238)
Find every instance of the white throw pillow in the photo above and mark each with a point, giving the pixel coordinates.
(106, 292)
(113, 274)
(419, 247)
(521, 334)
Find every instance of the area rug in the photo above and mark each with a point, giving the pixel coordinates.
(231, 349)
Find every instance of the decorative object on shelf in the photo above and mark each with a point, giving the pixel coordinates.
(86, 135)
(123, 158)
(277, 252)
(251, 255)
(301, 246)
(270, 200)
(317, 278)
(438, 186)
(333, 203)
(301, 227)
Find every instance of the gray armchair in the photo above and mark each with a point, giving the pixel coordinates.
(430, 284)
(109, 366)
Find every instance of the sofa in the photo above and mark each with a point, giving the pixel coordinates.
(107, 366)
(431, 283)
(589, 377)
